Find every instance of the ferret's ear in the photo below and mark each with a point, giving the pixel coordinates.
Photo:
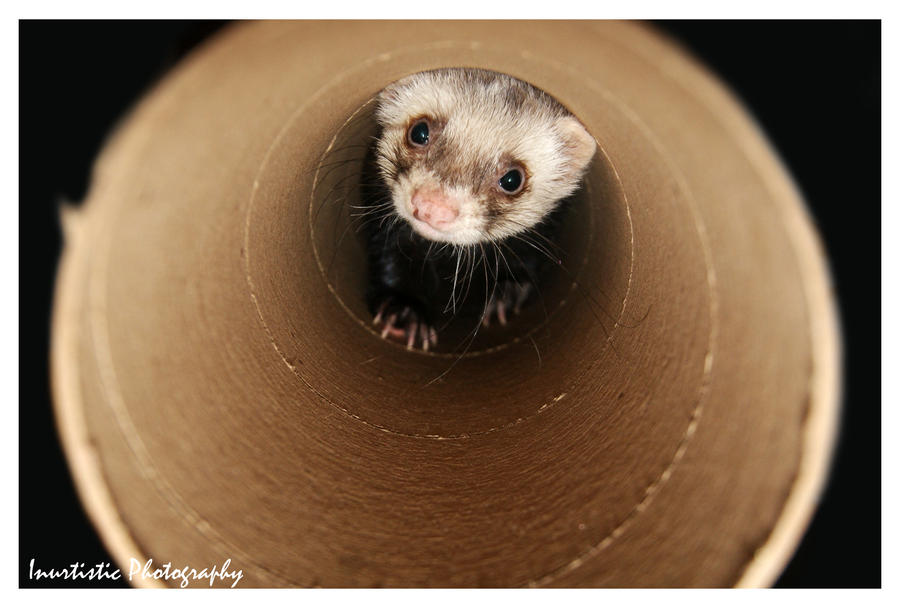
(386, 108)
(390, 102)
(579, 145)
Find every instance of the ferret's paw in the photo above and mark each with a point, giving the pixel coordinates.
(507, 300)
(403, 319)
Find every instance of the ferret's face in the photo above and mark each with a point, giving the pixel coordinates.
(472, 156)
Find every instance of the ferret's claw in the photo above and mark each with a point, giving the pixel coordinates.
(507, 299)
(381, 308)
(411, 334)
(388, 326)
(404, 321)
(424, 333)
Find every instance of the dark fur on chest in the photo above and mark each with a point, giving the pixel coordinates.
(442, 277)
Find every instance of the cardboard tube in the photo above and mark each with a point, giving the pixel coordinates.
(664, 418)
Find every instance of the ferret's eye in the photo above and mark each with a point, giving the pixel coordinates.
(512, 181)
(418, 134)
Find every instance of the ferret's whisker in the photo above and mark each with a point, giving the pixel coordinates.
(534, 280)
(469, 270)
(453, 291)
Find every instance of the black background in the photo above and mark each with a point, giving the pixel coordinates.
(815, 88)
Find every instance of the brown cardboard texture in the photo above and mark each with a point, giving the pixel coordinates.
(665, 419)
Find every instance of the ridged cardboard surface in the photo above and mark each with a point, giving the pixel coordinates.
(665, 420)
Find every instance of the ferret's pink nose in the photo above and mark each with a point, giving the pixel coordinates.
(434, 208)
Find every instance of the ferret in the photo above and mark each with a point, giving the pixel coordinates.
(470, 173)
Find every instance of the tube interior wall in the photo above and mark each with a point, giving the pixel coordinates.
(222, 394)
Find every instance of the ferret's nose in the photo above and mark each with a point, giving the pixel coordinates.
(434, 208)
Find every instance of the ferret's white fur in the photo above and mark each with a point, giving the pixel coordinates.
(483, 127)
